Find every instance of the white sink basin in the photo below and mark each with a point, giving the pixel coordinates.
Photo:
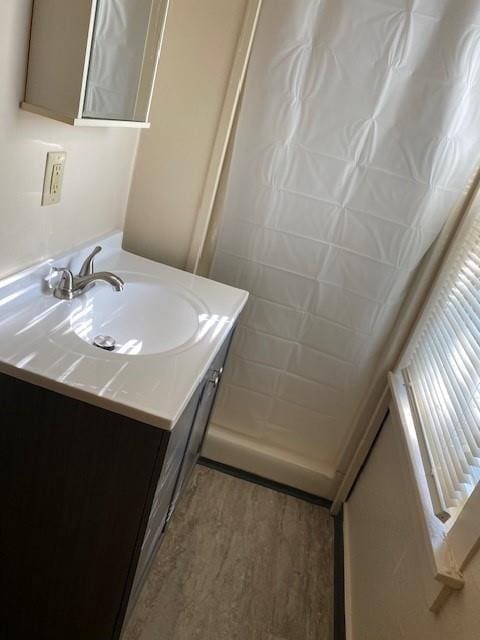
(168, 325)
(147, 317)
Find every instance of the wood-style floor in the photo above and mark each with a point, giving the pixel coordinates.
(239, 562)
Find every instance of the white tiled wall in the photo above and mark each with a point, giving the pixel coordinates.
(355, 140)
(388, 563)
(97, 173)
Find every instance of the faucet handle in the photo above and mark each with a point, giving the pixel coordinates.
(87, 267)
(64, 288)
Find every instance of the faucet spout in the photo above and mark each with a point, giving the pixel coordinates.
(87, 267)
(80, 282)
(71, 286)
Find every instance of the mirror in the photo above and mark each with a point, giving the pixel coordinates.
(123, 59)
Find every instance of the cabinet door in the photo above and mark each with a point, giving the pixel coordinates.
(163, 495)
(74, 480)
(183, 449)
(123, 59)
(199, 428)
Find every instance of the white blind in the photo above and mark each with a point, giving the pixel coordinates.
(443, 377)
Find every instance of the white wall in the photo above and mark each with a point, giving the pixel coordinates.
(387, 562)
(97, 173)
(198, 52)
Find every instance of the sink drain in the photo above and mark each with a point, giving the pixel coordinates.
(104, 342)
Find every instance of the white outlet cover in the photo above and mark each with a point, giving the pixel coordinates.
(53, 179)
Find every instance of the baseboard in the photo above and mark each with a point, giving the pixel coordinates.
(265, 482)
(338, 579)
(241, 452)
(347, 575)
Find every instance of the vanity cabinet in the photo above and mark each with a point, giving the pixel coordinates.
(93, 62)
(86, 497)
(182, 453)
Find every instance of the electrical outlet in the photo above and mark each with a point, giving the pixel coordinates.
(52, 182)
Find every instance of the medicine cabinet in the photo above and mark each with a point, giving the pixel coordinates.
(93, 62)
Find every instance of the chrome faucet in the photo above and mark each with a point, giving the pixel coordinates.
(87, 267)
(70, 286)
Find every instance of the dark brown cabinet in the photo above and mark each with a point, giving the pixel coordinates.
(86, 496)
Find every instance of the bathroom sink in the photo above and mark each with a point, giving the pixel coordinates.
(167, 324)
(147, 317)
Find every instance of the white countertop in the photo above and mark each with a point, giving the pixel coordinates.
(39, 345)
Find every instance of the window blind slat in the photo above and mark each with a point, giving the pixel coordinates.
(460, 393)
(446, 468)
(439, 467)
(460, 435)
(461, 302)
(444, 375)
(445, 432)
(462, 416)
(459, 351)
